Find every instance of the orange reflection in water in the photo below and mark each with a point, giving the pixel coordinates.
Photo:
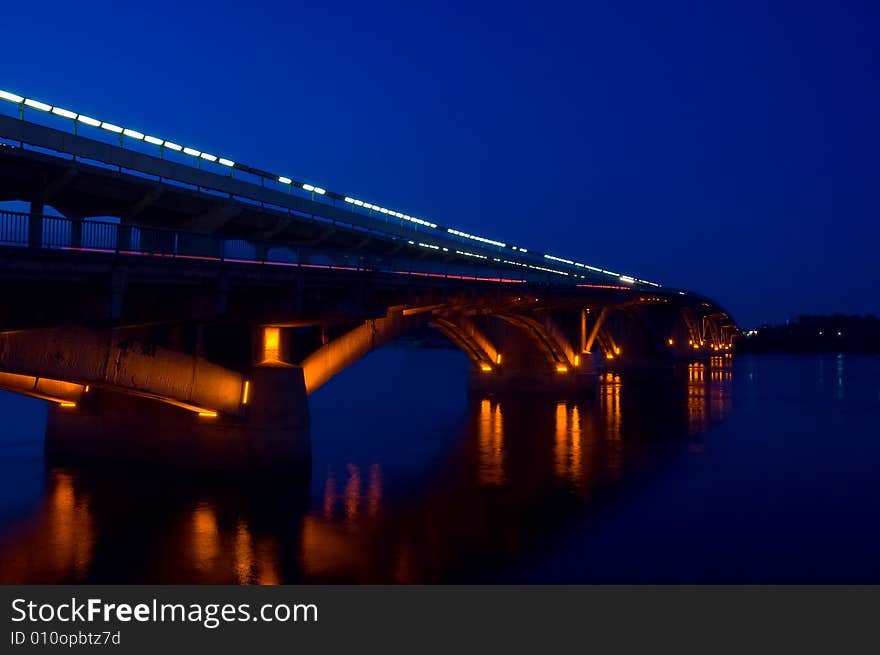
(352, 498)
(57, 545)
(610, 387)
(329, 552)
(244, 554)
(256, 560)
(205, 538)
(223, 556)
(352, 493)
(567, 450)
(374, 491)
(696, 398)
(329, 496)
(720, 377)
(491, 444)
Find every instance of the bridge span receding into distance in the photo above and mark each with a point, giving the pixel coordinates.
(177, 305)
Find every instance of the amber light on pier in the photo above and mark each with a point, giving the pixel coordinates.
(271, 345)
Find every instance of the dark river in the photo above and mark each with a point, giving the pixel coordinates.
(754, 469)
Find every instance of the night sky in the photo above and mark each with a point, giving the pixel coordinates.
(730, 149)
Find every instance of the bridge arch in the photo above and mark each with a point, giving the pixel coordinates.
(548, 339)
(480, 346)
(338, 354)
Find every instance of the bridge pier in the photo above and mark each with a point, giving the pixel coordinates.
(271, 433)
(535, 381)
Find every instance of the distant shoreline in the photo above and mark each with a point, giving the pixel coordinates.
(815, 334)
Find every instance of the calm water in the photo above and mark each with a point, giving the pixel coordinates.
(762, 469)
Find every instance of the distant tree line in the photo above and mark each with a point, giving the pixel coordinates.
(836, 333)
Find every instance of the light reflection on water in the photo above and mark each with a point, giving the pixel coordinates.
(56, 542)
(491, 490)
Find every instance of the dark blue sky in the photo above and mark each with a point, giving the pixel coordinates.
(730, 149)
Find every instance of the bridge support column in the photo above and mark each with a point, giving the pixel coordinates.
(527, 367)
(272, 432)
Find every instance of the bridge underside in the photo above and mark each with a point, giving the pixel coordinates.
(230, 394)
(154, 338)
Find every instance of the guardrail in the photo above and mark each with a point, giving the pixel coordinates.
(139, 141)
(48, 232)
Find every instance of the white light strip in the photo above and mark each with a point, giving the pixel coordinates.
(58, 111)
(172, 146)
(88, 121)
(110, 127)
(36, 104)
(285, 180)
(133, 134)
(11, 97)
(153, 140)
(470, 254)
(476, 238)
(536, 268)
(192, 152)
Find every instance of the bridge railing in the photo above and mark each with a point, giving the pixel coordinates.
(49, 232)
(125, 139)
(397, 225)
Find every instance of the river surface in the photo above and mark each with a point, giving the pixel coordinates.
(754, 469)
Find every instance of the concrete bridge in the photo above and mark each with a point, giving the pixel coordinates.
(176, 305)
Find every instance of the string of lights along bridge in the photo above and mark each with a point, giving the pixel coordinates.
(576, 268)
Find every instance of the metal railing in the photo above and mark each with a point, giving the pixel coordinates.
(48, 232)
(141, 142)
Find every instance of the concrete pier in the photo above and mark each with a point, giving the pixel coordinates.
(272, 431)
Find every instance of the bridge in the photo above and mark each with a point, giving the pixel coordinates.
(177, 305)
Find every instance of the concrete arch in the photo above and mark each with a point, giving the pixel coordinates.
(470, 339)
(623, 329)
(59, 359)
(340, 353)
(557, 352)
